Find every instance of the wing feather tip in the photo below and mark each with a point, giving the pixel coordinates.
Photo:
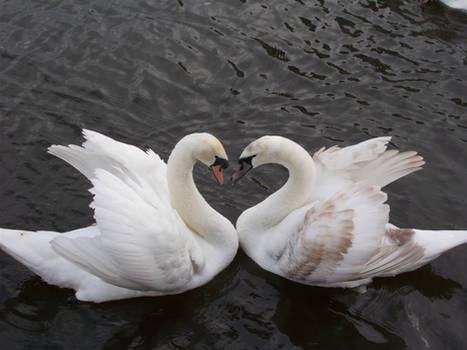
(54, 149)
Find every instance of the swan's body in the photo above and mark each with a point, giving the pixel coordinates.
(456, 4)
(328, 225)
(154, 234)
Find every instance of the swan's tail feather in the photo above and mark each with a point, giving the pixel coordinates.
(33, 249)
(28, 247)
(408, 249)
(436, 242)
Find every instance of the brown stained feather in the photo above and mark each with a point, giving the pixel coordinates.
(303, 255)
(396, 257)
(399, 236)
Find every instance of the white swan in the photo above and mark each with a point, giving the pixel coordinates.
(328, 225)
(455, 4)
(154, 234)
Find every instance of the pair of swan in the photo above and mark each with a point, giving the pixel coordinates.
(156, 235)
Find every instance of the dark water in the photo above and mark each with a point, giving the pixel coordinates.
(320, 72)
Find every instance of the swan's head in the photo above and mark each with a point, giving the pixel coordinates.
(266, 149)
(209, 151)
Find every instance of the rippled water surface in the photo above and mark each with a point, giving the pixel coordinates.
(320, 72)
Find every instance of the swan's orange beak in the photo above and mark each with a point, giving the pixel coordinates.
(217, 167)
(217, 170)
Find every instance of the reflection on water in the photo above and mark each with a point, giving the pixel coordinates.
(319, 72)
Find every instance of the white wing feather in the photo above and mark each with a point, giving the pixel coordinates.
(118, 158)
(144, 244)
(368, 162)
(338, 236)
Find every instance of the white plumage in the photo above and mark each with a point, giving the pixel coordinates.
(328, 225)
(154, 232)
(456, 4)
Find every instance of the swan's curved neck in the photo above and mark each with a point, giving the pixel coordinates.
(197, 214)
(295, 193)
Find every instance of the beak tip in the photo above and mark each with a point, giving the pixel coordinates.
(217, 170)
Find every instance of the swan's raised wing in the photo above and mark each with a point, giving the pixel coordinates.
(118, 158)
(144, 244)
(338, 236)
(368, 162)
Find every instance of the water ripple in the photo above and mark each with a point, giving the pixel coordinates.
(320, 72)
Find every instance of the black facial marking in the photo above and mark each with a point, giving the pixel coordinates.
(245, 166)
(224, 163)
(246, 160)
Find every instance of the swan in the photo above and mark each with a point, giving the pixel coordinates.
(154, 233)
(455, 4)
(328, 225)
